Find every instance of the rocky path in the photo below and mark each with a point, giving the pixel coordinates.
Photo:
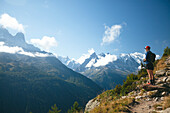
(148, 98)
(144, 106)
(156, 93)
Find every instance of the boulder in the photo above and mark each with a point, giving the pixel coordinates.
(152, 93)
(159, 108)
(138, 97)
(148, 99)
(91, 105)
(164, 79)
(160, 72)
(168, 73)
(151, 87)
(168, 79)
(156, 99)
(163, 93)
(167, 62)
(167, 68)
(165, 111)
(123, 97)
(162, 98)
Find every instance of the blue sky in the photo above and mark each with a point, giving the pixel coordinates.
(75, 26)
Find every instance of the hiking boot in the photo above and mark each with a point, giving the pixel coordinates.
(149, 83)
(153, 82)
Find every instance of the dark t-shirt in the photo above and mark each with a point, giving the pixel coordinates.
(147, 57)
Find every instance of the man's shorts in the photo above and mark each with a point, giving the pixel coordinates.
(149, 66)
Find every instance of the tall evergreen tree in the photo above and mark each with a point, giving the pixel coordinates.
(54, 109)
(75, 108)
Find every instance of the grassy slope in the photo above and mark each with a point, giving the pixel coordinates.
(110, 100)
(35, 84)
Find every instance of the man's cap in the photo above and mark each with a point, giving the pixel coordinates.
(147, 47)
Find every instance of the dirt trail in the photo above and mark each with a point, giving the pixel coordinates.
(144, 106)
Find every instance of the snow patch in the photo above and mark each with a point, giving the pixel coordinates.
(90, 64)
(85, 56)
(105, 60)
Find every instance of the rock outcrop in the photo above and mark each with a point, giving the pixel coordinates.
(92, 104)
(147, 98)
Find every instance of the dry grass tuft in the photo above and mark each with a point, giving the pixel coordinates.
(166, 103)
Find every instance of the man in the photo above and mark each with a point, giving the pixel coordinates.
(149, 64)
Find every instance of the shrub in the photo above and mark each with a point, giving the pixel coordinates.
(54, 109)
(166, 51)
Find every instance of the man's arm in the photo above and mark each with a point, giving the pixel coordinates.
(144, 60)
(146, 56)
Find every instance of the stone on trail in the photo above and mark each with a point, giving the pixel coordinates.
(160, 72)
(150, 87)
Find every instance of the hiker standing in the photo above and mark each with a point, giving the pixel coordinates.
(149, 59)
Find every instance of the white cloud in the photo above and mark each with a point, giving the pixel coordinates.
(41, 54)
(7, 49)
(2, 43)
(19, 50)
(157, 57)
(111, 33)
(46, 43)
(10, 22)
(85, 56)
(91, 51)
(105, 60)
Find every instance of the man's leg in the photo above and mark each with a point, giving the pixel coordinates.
(149, 75)
(152, 76)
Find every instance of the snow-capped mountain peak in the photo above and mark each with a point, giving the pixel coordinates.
(17, 44)
(92, 60)
(82, 59)
(138, 56)
(102, 61)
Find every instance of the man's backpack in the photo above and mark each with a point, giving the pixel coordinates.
(152, 57)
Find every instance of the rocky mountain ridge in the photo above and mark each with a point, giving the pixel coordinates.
(32, 80)
(17, 40)
(105, 69)
(143, 97)
(94, 61)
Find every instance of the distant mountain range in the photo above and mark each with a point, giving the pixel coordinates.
(125, 62)
(32, 80)
(105, 69)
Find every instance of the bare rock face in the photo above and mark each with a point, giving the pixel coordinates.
(167, 62)
(165, 111)
(160, 72)
(152, 87)
(91, 105)
(163, 79)
(168, 73)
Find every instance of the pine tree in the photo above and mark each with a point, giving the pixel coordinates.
(75, 108)
(54, 109)
(166, 51)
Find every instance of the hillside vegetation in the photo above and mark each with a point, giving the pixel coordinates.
(34, 84)
(126, 97)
